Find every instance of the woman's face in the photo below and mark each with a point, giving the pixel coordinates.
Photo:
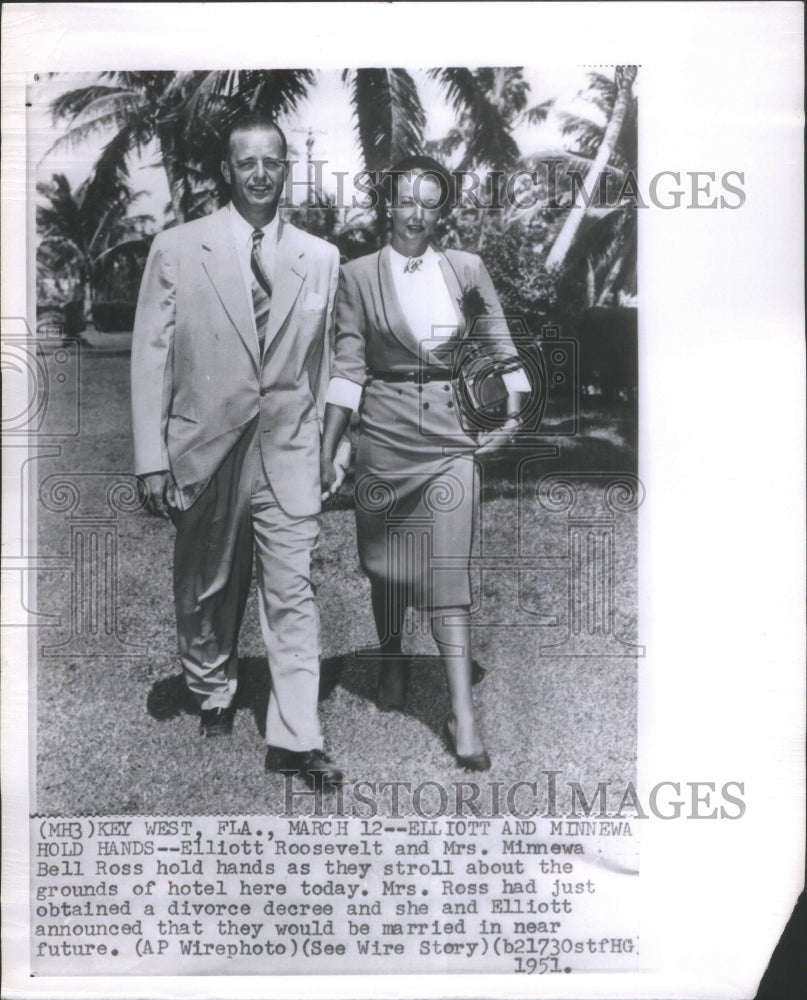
(415, 212)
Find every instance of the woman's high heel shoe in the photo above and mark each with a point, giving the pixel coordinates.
(393, 683)
(470, 762)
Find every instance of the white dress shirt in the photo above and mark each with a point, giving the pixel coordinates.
(242, 235)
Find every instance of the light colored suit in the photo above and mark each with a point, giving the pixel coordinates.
(240, 434)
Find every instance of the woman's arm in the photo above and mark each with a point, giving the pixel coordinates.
(347, 381)
(333, 460)
(516, 382)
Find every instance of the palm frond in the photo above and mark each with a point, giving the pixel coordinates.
(125, 244)
(96, 102)
(445, 147)
(586, 133)
(276, 92)
(389, 116)
(78, 134)
(601, 92)
(75, 102)
(490, 141)
(538, 114)
(62, 217)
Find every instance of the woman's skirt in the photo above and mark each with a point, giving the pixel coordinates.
(417, 490)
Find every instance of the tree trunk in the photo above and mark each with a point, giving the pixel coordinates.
(610, 281)
(591, 283)
(175, 185)
(176, 179)
(625, 75)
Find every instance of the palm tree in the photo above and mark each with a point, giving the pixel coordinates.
(89, 234)
(616, 99)
(187, 113)
(184, 113)
(488, 103)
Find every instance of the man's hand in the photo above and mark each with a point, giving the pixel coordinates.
(158, 487)
(498, 437)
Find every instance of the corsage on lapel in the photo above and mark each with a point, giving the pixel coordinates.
(472, 303)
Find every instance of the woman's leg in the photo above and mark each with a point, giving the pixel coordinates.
(388, 611)
(451, 628)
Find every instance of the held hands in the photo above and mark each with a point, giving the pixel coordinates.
(159, 493)
(332, 472)
(498, 437)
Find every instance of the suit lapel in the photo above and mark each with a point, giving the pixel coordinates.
(220, 261)
(289, 274)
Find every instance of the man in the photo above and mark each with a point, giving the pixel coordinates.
(229, 368)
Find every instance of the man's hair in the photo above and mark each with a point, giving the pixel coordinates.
(422, 166)
(249, 123)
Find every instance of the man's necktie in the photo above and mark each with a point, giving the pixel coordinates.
(261, 288)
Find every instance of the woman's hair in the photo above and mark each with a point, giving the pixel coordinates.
(422, 166)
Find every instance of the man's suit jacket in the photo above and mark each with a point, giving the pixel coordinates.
(197, 379)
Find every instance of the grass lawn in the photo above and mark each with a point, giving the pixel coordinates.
(118, 734)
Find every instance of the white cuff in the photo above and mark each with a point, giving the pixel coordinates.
(516, 381)
(343, 392)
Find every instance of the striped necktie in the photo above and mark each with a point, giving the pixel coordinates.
(261, 288)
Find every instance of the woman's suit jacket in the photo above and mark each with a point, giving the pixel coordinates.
(372, 333)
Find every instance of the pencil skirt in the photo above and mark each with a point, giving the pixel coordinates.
(417, 493)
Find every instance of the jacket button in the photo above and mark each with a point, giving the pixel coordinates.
(265, 390)
(450, 403)
(425, 406)
(446, 387)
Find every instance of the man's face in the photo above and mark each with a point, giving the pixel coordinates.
(256, 171)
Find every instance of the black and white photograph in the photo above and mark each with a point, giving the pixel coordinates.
(486, 528)
(381, 441)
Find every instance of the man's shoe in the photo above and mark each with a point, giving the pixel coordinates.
(315, 767)
(217, 721)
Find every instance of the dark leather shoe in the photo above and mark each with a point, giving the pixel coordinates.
(217, 721)
(315, 767)
(471, 762)
(393, 683)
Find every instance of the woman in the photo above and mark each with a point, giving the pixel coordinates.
(403, 318)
